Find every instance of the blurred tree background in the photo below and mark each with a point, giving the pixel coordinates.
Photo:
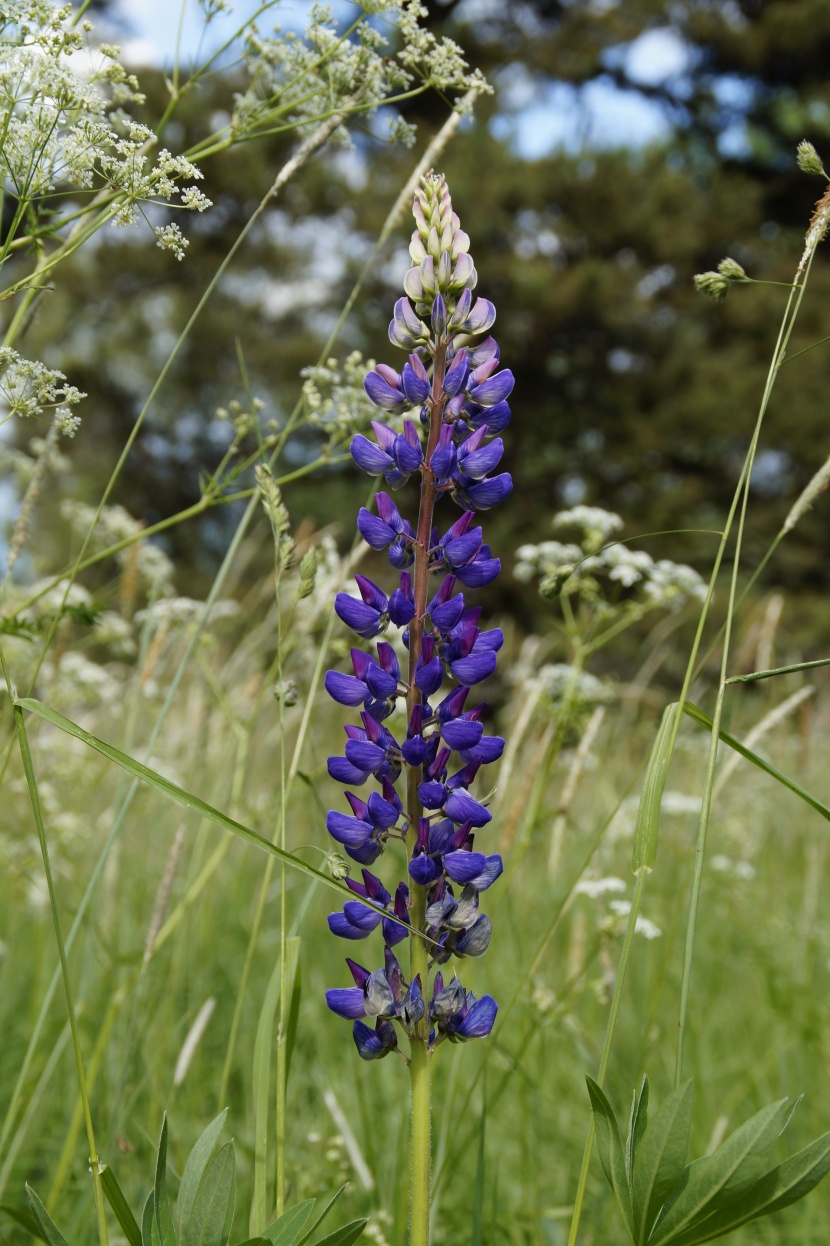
(627, 147)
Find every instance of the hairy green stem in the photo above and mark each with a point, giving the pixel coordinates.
(419, 1067)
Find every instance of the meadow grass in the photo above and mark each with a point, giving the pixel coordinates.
(182, 948)
(755, 1030)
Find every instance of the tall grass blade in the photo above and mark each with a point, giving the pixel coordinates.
(697, 715)
(648, 812)
(120, 1207)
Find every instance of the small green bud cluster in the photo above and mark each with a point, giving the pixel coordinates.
(808, 159)
(308, 571)
(716, 284)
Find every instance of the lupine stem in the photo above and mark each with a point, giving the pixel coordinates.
(419, 1067)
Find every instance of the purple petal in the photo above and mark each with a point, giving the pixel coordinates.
(476, 940)
(487, 493)
(361, 618)
(374, 531)
(495, 389)
(348, 1002)
(462, 733)
(473, 867)
(361, 915)
(430, 677)
(415, 387)
(496, 418)
(425, 870)
(351, 832)
(385, 396)
(472, 669)
(364, 754)
(345, 689)
(479, 1020)
(369, 456)
(480, 462)
(462, 807)
(340, 925)
(488, 749)
(342, 771)
(407, 456)
(480, 573)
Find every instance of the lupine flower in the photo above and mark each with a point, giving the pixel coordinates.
(453, 394)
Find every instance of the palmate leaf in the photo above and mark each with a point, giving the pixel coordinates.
(211, 1215)
(730, 1170)
(162, 1215)
(286, 1230)
(777, 1188)
(197, 1161)
(637, 1124)
(46, 1227)
(716, 1193)
(660, 1157)
(345, 1236)
(610, 1150)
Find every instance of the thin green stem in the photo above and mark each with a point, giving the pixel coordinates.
(37, 811)
(606, 1047)
(742, 495)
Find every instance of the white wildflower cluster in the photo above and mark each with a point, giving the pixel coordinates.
(561, 682)
(620, 910)
(598, 888)
(595, 525)
(144, 560)
(63, 121)
(296, 79)
(375, 1230)
(30, 389)
(617, 911)
(181, 611)
(334, 397)
(597, 574)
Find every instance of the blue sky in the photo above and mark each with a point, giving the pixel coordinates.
(537, 118)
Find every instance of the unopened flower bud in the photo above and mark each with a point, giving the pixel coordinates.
(713, 284)
(808, 159)
(732, 270)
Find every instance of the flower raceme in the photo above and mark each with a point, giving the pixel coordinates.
(454, 396)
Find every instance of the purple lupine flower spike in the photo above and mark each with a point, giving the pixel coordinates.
(440, 422)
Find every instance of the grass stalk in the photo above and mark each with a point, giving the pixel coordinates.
(37, 812)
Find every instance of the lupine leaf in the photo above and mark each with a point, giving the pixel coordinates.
(321, 1216)
(286, 1230)
(47, 1229)
(660, 1158)
(254, 1241)
(197, 1162)
(637, 1123)
(22, 1217)
(345, 1236)
(209, 1220)
(728, 1169)
(161, 1203)
(121, 1208)
(149, 1232)
(610, 1150)
(778, 1188)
